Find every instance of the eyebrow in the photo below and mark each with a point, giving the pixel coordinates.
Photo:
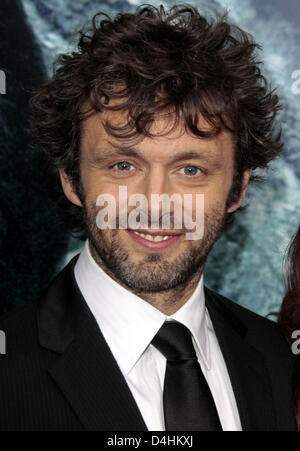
(108, 154)
(190, 155)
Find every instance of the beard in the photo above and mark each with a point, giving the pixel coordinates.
(155, 273)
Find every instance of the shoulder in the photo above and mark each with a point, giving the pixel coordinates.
(19, 327)
(261, 332)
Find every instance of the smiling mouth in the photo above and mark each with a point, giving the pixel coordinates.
(156, 239)
(153, 238)
(156, 235)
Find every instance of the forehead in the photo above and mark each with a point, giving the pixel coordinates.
(166, 140)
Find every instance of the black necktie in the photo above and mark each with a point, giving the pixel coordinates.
(188, 402)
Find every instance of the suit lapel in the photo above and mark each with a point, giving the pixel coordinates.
(85, 371)
(246, 367)
(90, 379)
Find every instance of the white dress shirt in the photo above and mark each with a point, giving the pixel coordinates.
(128, 324)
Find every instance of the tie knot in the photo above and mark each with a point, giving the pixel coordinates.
(174, 341)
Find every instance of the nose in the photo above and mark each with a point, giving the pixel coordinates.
(156, 188)
(155, 183)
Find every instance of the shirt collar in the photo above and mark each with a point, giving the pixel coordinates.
(129, 323)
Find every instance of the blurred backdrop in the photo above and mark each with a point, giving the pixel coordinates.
(247, 262)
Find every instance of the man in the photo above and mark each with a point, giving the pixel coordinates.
(156, 103)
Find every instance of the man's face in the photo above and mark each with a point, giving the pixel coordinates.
(178, 163)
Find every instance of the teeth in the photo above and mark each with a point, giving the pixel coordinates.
(155, 238)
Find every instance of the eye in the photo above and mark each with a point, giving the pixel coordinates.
(190, 171)
(123, 166)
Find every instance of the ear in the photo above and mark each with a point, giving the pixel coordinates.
(68, 188)
(236, 205)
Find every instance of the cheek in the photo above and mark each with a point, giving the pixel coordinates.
(94, 187)
(215, 198)
(218, 191)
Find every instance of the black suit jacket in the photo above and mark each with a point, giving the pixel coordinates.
(59, 373)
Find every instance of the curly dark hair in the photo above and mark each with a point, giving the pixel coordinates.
(289, 317)
(157, 60)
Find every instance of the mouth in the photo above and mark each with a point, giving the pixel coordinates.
(154, 240)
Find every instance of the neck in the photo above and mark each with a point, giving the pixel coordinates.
(169, 301)
(166, 301)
